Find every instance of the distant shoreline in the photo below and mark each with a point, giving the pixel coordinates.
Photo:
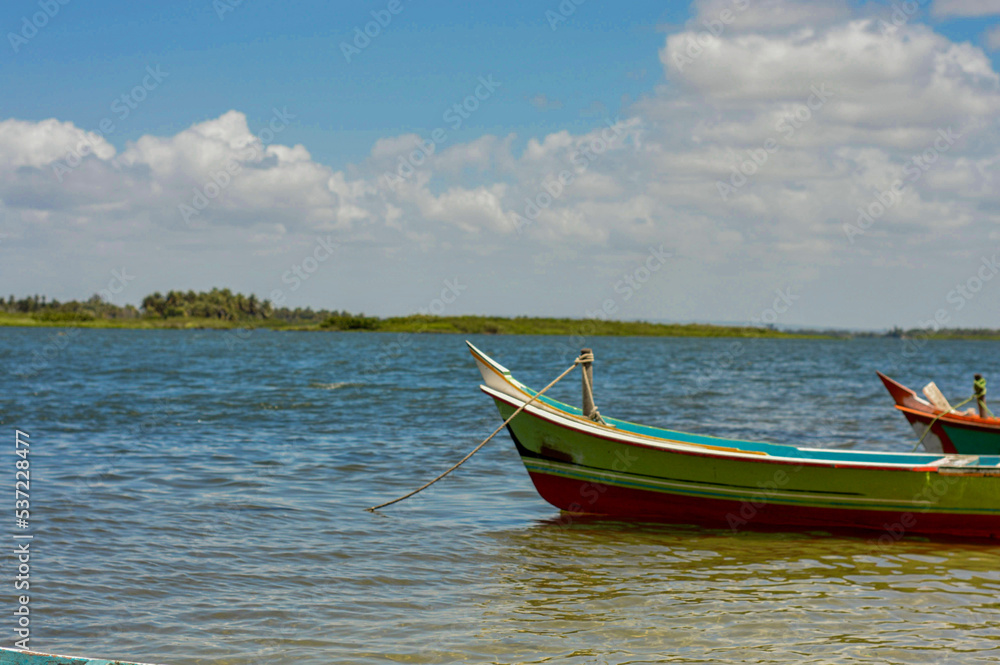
(419, 324)
(222, 309)
(480, 325)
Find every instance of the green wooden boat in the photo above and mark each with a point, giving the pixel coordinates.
(615, 467)
(16, 657)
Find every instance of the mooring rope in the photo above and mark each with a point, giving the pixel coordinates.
(978, 391)
(581, 359)
(595, 415)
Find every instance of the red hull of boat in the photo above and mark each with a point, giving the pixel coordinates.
(565, 494)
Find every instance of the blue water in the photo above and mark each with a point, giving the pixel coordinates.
(198, 496)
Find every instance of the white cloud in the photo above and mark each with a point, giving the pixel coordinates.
(486, 152)
(36, 144)
(545, 103)
(889, 97)
(992, 38)
(912, 76)
(966, 7)
(823, 110)
(721, 17)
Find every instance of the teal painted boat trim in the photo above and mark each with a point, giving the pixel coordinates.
(970, 441)
(774, 449)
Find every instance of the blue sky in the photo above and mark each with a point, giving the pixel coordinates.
(681, 131)
(260, 54)
(265, 54)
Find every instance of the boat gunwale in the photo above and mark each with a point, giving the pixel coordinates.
(932, 459)
(564, 409)
(920, 462)
(926, 462)
(921, 408)
(963, 420)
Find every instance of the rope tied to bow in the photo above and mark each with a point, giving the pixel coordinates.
(589, 357)
(978, 394)
(594, 415)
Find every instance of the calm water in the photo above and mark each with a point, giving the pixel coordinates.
(197, 497)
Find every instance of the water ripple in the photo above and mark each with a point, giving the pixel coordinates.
(198, 501)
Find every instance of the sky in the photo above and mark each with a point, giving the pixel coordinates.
(788, 162)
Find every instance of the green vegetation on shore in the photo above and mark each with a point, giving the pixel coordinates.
(223, 309)
(523, 325)
(469, 325)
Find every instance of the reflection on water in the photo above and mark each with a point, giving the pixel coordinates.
(594, 591)
(199, 501)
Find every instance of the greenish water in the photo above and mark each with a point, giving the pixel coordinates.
(197, 497)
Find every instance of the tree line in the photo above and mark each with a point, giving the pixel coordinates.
(220, 304)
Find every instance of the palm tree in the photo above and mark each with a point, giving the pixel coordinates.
(153, 304)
